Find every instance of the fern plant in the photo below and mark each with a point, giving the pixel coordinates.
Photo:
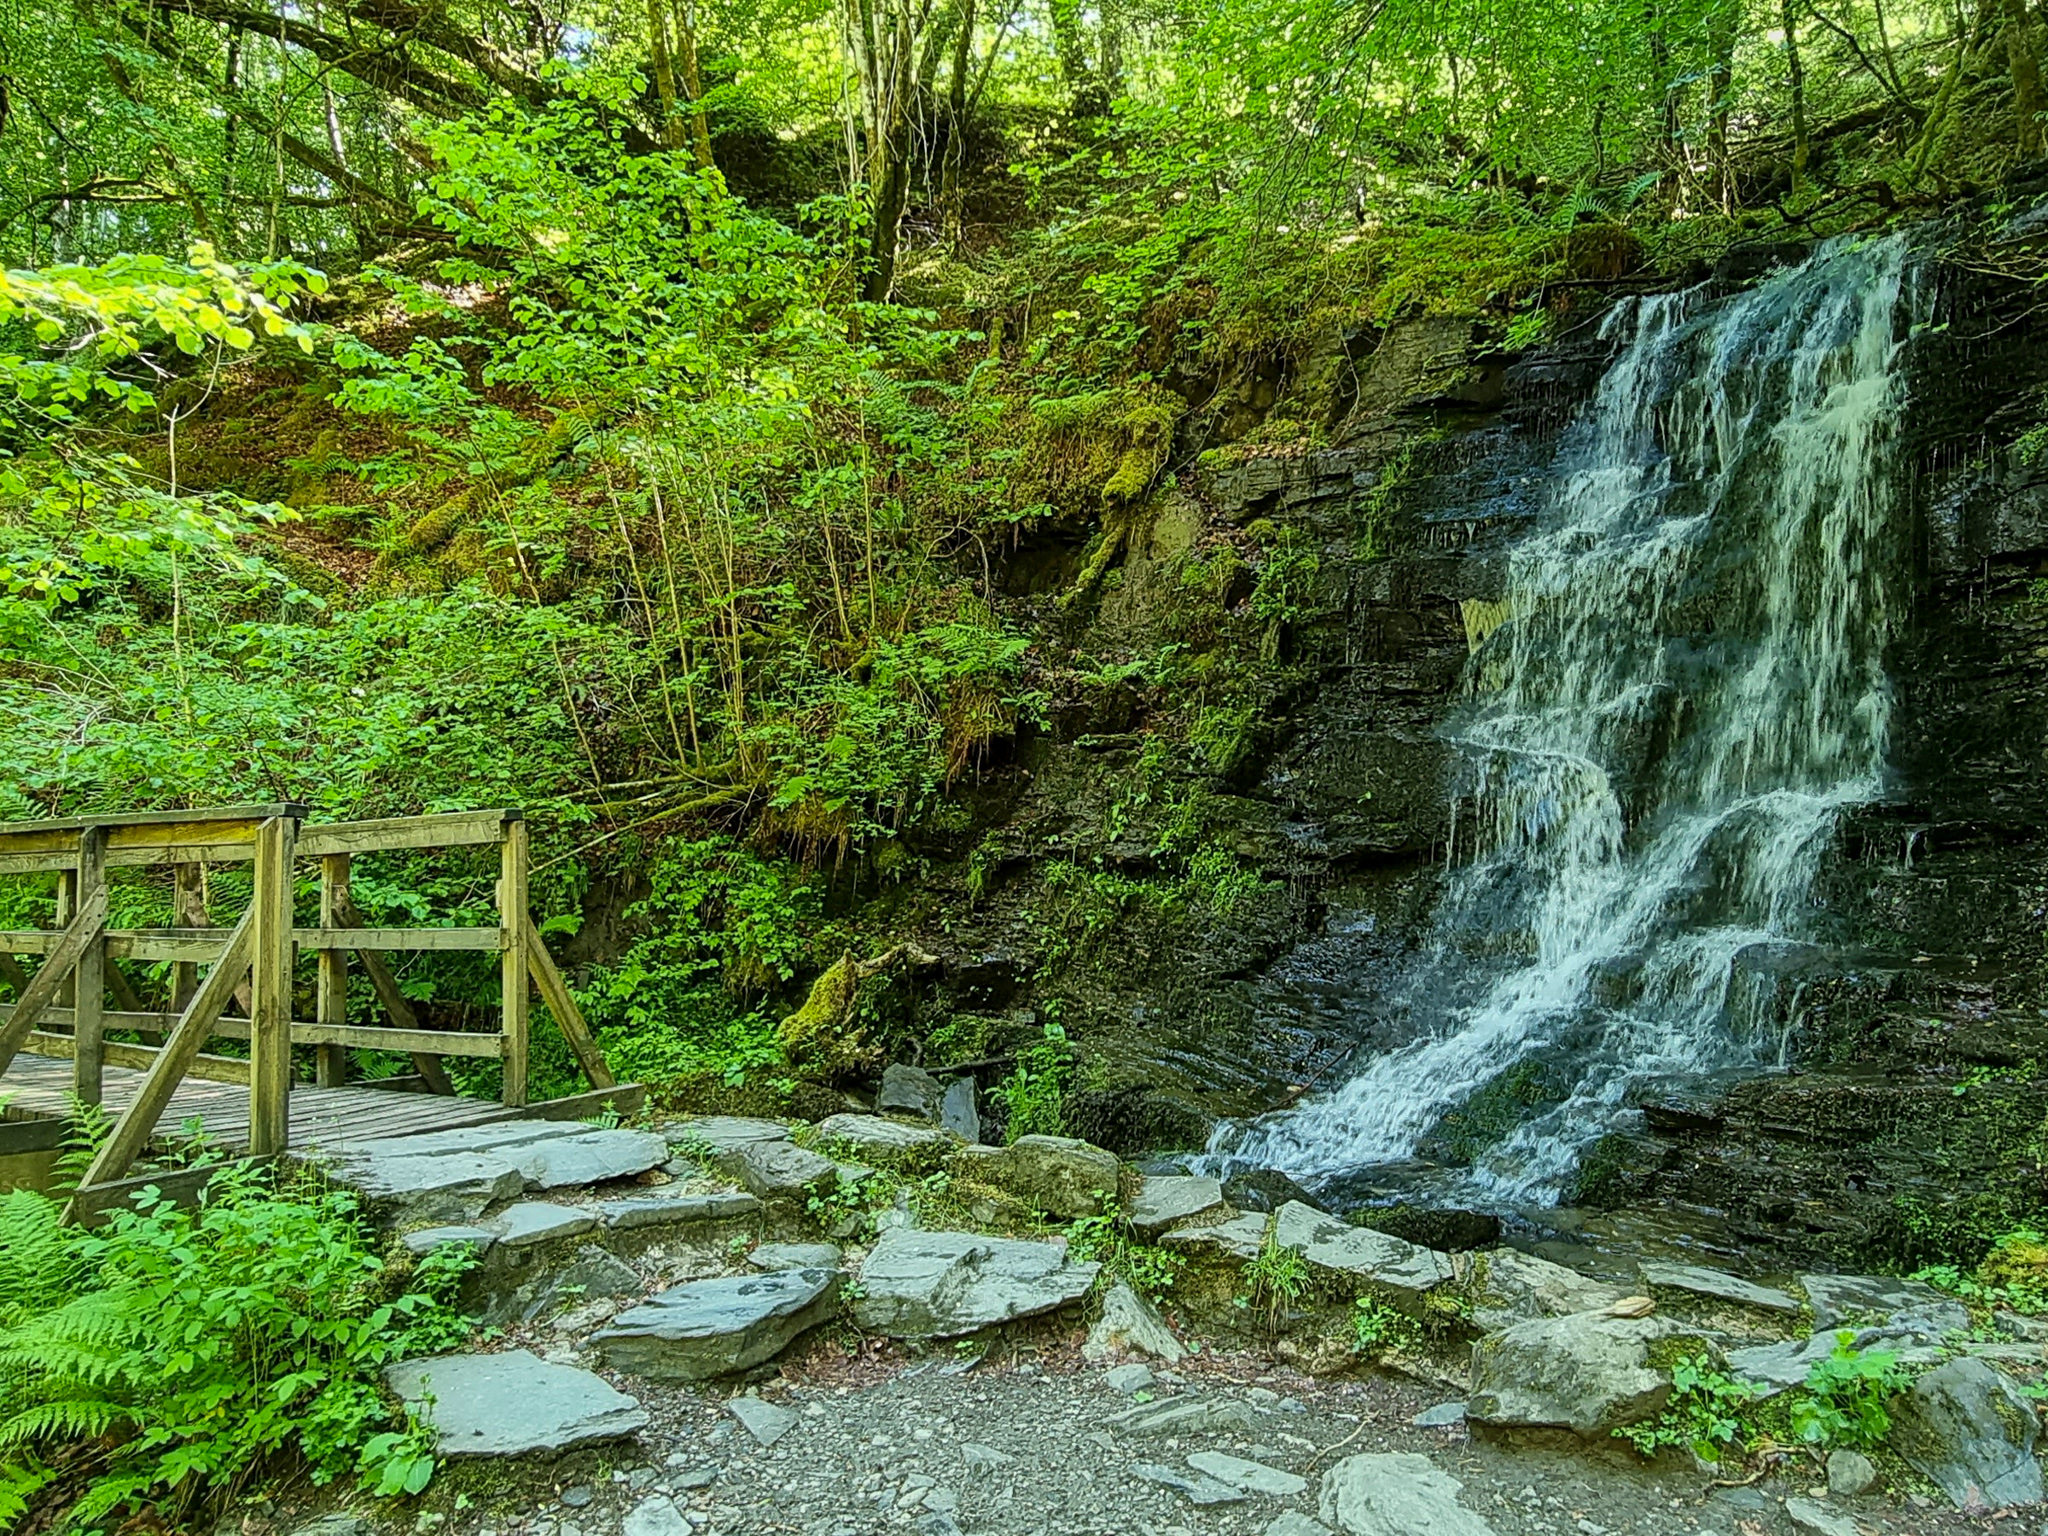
(173, 1351)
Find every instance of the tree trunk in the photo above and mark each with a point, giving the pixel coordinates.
(693, 83)
(2024, 61)
(664, 77)
(1070, 45)
(1795, 73)
(952, 192)
(1722, 25)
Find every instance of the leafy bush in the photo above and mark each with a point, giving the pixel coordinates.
(1107, 1239)
(1034, 1095)
(1846, 1396)
(1704, 1412)
(171, 1352)
(1273, 1281)
(1377, 1327)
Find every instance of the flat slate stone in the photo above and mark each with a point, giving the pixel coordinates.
(1858, 1301)
(1818, 1520)
(1197, 1488)
(427, 1239)
(1325, 1241)
(960, 1110)
(1131, 1325)
(1165, 1200)
(1442, 1416)
(872, 1133)
(1401, 1494)
(773, 1256)
(1188, 1415)
(657, 1516)
(1294, 1523)
(538, 1221)
(766, 1422)
(675, 1210)
(910, 1091)
(1971, 1432)
(593, 1157)
(1774, 1368)
(1515, 1287)
(782, 1169)
(937, 1285)
(1239, 1238)
(1248, 1476)
(715, 1327)
(453, 1187)
(1717, 1285)
(512, 1404)
(1058, 1175)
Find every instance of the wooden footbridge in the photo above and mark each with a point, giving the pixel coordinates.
(61, 1037)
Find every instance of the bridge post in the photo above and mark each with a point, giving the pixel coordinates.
(330, 1006)
(270, 989)
(88, 1053)
(512, 959)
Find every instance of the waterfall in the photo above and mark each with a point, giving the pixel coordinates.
(1686, 691)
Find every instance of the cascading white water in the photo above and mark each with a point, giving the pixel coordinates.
(1689, 690)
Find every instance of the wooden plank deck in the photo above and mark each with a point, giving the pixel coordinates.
(329, 1119)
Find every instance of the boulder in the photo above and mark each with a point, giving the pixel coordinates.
(1131, 1325)
(910, 1091)
(960, 1110)
(1400, 1494)
(782, 1170)
(884, 1139)
(712, 1328)
(1862, 1301)
(1713, 1287)
(1056, 1175)
(1971, 1433)
(1511, 1287)
(1167, 1201)
(1586, 1372)
(1359, 1252)
(512, 1404)
(937, 1285)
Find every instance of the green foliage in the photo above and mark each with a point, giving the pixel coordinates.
(1844, 1402)
(1705, 1412)
(1377, 1328)
(1107, 1239)
(2013, 1275)
(1272, 1282)
(188, 1345)
(1034, 1095)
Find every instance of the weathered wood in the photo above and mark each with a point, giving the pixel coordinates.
(330, 1006)
(270, 990)
(359, 939)
(385, 985)
(89, 975)
(138, 1123)
(188, 906)
(19, 1136)
(513, 962)
(73, 825)
(114, 1053)
(41, 991)
(455, 829)
(368, 1037)
(132, 855)
(554, 991)
(624, 1098)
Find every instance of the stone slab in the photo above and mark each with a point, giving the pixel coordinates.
(1193, 1485)
(1399, 1494)
(1861, 1301)
(766, 1422)
(1191, 1414)
(427, 1239)
(771, 1256)
(715, 1327)
(1240, 1238)
(944, 1284)
(1718, 1285)
(538, 1221)
(1360, 1252)
(676, 1210)
(453, 1187)
(592, 1157)
(1164, 1201)
(1248, 1476)
(875, 1135)
(512, 1404)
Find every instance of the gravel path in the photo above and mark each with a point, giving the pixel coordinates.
(1021, 1443)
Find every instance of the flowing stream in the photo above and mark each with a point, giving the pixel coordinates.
(1686, 693)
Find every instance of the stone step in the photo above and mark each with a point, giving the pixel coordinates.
(716, 1327)
(512, 1404)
